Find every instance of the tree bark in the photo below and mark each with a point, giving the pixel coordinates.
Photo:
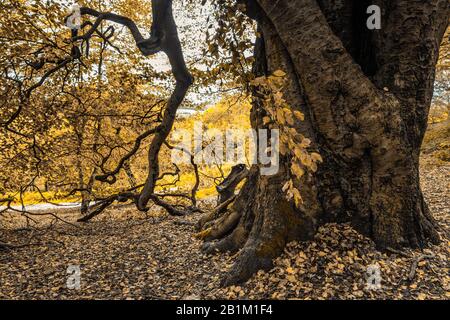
(171, 46)
(366, 96)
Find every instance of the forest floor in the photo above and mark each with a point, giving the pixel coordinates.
(125, 255)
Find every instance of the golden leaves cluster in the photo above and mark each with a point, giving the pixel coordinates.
(286, 118)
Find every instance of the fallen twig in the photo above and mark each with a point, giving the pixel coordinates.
(415, 263)
(395, 251)
(184, 223)
(10, 246)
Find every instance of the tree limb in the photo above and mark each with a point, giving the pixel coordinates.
(170, 44)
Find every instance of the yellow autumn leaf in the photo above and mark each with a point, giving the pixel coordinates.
(292, 132)
(279, 73)
(203, 234)
(306, 160)
(316, 157)
(300, 116)
(422, 296)
(298, 152)
(297, 197)
(278, 98)
(287, 185)
(258, 81)
(291, 278)
(305, 143)
(280, 116)
(283, 149)
(297, 170)
(288, 116)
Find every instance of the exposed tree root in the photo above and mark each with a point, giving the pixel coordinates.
(259, 223)
(214, 214)
(222, 226)
(249, 261)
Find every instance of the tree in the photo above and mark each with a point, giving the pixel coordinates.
(66, 110)
(355, 99)
(442, 84)
(366, 97)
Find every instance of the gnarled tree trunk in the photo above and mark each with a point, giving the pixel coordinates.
(366, 96)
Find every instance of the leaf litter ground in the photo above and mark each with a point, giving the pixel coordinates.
(124, 255)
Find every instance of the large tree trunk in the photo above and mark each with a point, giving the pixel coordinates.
(365, 95)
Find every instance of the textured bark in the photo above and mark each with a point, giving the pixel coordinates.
(171, 46)
(228, 186)
(267, 220)
(366, 96)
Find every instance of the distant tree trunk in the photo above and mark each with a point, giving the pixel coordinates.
(366, 97)
(86, 194)
(130, 175)
(79, 165)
